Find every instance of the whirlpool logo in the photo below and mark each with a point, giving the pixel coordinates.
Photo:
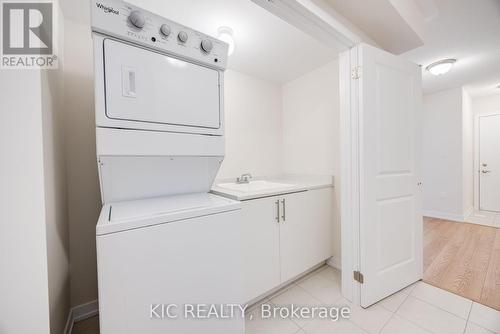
(28, 35)
(107, 9)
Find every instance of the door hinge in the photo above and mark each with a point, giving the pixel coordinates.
(358, 277)
(356, 72)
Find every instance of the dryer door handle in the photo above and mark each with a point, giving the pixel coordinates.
(128, 81)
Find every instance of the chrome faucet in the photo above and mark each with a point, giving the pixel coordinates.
(244, 178)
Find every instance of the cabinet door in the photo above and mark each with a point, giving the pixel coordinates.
(261, 246)
(305, 231)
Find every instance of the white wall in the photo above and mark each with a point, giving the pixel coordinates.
(24, 296)
(442, 154)
(35, 254)
(272, 129)
(84, 199)
(56, 218)
(449, 134)
(253, 126)
(55, 202)
(486, 105)
(311, 122)
(467, 154)
(311, 130)
(448, 154)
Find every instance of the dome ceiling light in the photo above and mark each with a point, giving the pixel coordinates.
(441, 67)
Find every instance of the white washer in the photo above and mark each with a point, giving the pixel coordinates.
(162, 239)
(178, 250)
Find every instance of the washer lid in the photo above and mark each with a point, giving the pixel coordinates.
(127, 215)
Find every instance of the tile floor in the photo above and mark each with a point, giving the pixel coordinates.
(418, 309)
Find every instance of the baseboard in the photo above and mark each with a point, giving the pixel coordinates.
(468, 213)
(334, 262)
(443, 215)
(81, 312)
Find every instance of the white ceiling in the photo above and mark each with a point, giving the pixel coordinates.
(395, 26)
(468, 30)
(270, 48)
(266, 46)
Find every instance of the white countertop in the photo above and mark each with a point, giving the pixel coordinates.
(294, 183)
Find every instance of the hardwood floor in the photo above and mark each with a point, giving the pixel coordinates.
(464, 259)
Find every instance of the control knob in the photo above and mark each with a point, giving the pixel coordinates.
(182, 36)
(165, 29)
(206, 45)
(137, 19)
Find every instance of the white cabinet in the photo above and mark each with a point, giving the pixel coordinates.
(285, 236)
(305, 231)
(261, 246)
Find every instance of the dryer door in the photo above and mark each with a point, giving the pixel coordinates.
(149, 87)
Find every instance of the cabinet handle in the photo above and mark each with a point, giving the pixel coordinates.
(284, 211)
(277, 210)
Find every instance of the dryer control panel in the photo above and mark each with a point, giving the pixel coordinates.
(122, 20)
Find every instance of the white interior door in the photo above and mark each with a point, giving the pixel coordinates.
(390, 230)
(489, 163)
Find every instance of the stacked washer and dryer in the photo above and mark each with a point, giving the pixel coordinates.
(163, 241)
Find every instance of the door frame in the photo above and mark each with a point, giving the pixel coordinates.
(350, 70)
(315, 20)
(477, 169)
(350, 175)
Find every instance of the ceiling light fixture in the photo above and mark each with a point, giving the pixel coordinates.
(441, 67)
(225, 34)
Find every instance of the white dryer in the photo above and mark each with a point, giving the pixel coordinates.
(162, 238)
